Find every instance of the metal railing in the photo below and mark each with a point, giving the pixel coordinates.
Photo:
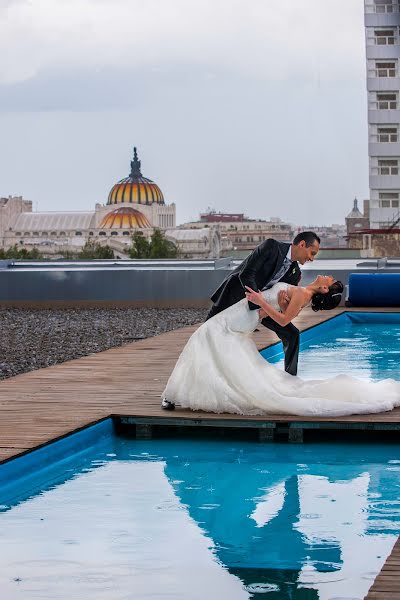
(387, 170)
(395, 222)
(382, 72)
(383, 105)
(384, 138)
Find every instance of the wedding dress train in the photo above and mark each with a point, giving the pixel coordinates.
(221, 370)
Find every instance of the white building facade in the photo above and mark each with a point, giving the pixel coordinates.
(382, 33)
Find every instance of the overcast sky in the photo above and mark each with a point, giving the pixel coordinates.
(254, 106)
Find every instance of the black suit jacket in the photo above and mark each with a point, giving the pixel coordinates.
(255, 271)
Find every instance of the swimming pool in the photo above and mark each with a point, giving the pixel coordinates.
(366, 345)
(202, 519)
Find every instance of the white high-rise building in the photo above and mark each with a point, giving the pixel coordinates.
(382, 34)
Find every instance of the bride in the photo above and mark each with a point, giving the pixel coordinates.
(220, 369)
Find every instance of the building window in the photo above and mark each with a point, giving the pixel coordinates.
(102, 233)
(18, 233)
(62, 233)
(385, 69)
(90, 232)
(384, 6)
(388, 195)
(78, 232)
(384, 37)
(53, 233)
(125, 233)
(389, 199)
(44, 233)
(35, 233)
(114, 233)
(388, 166)
(387, 135)
(386, 101)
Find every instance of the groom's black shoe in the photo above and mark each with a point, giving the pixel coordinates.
(167, 404)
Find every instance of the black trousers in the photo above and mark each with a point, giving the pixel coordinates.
(289, 336)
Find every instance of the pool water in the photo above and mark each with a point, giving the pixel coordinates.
(365, 345)
(201, 519)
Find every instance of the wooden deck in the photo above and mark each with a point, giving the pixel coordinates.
(387, 585)
(43, 405)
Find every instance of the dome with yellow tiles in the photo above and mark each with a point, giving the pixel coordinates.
(135, 189)
(124, 218)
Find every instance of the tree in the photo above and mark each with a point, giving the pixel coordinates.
(91, 251)
(20, 253)
(160, 247)
(140, 247)
(157, 247)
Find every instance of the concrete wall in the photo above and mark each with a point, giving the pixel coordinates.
(159, 284)
(108, 287)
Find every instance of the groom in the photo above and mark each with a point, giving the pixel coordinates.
(269, 263)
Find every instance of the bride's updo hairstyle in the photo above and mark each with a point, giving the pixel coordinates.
(329, 300)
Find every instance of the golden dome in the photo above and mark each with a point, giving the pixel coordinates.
(124, 218)
(135, 189)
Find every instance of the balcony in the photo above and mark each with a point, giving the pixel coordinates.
(388, 117)
(384, 182)
(383, 52)
(383, 84)
(383, 149)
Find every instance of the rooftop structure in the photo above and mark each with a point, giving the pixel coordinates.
(382, 34)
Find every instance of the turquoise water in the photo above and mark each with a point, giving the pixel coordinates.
(201, 519)
(368, 348)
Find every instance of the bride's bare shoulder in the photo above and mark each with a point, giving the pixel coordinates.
(295, 291)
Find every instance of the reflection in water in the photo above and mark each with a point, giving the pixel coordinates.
(294, 530)
(243, 519)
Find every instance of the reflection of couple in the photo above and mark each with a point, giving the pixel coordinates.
(220, 368)
(274, 520)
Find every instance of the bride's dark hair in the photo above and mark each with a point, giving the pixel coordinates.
(329, 300)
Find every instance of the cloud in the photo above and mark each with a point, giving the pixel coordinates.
(254, 106)
(263, 40)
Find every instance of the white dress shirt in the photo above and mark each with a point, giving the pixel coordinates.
(279, 274)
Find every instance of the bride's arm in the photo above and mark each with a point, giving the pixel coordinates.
(292, 311)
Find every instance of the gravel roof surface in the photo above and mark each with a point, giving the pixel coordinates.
(32, 339)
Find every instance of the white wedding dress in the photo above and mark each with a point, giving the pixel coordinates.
(220, 370)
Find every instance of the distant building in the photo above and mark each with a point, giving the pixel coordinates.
(134, 203)
(371, 242)
(239, 234)
(332, 236)
(355, 220)
(382, 34)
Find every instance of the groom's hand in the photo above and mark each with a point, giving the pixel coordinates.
(283, 300)
(254, 297)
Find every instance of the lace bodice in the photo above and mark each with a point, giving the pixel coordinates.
(271, 295)
(239, 318)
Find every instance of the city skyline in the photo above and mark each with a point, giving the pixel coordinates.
(256, 110)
